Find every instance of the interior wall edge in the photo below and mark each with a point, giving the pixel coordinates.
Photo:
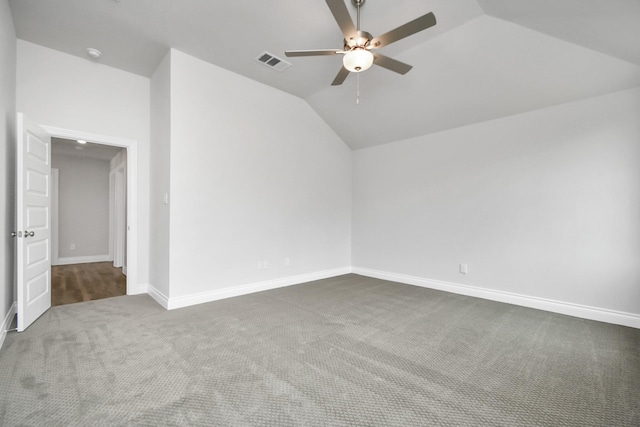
(570, 309)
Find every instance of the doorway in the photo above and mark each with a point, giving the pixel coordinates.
(88, 221)
(129, 177)
(33, 214)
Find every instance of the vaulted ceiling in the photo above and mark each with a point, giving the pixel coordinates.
(483, 60)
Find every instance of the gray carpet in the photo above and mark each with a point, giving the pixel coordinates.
(343, 351)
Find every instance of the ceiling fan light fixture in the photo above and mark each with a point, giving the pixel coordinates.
(357, 60)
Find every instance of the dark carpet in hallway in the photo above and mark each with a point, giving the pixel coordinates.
(86, 282)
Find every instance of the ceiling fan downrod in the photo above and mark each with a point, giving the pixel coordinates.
(357, 4)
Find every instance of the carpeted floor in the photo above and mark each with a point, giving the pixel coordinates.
(343, 351)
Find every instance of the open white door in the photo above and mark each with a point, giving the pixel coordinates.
(33, 218)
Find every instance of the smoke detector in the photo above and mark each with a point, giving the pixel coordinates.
(94, 53)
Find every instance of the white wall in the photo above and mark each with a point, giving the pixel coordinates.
(160, 175)
(543, 204)
(83, 206)
(256, 175)
(60, 90)
(8, 158)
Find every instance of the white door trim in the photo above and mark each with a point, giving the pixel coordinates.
(132, 191)
(55, 211)
(119, 218)
(111, 212)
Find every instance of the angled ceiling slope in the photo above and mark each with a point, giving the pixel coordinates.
(483, 60)
(611, 27)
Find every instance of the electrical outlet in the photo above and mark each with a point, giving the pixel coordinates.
(287, 262)
(463, 269)
(73, 247)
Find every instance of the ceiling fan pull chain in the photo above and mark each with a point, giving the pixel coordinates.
(357, 88)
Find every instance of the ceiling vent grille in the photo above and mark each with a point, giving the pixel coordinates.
(273, 61)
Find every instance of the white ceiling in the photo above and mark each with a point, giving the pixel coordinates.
(483, 60)
(67, 147)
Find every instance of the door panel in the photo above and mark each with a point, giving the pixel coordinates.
(33, 218)
(37, 183)
(37, 253)
(37, 218)
(38, 288)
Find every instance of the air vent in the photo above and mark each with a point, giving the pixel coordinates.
(273, 61)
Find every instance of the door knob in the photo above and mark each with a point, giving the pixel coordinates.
(14, 234)
(29, 234)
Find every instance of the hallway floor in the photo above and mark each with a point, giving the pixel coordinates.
(86, 282)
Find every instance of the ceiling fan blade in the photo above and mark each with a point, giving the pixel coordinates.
(341, 14)
(340, 78)
(391, 64)
(316, 52)
(412, 27)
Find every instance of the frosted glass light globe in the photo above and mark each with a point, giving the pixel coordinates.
(357, 60)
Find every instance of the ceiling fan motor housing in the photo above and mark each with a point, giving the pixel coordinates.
(362, 41)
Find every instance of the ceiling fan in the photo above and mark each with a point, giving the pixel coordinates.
(359, 44)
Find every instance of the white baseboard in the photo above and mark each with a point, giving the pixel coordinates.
(160, 298)
(6, 324)
(570, 309)
(124, 270)
(234, 291)
(82, 259)
(140, 288)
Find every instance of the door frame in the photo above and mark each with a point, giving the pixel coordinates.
(55, 211)
(133, 286)
(117, 217)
